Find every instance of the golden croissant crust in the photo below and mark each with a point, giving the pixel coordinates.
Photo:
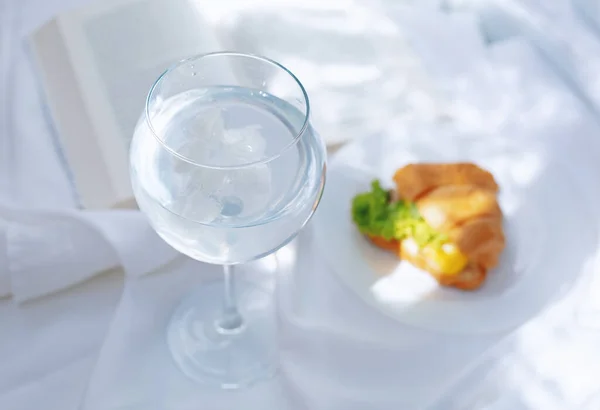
(415, 180)
(451, 205)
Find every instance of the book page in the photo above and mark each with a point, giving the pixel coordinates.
(133, 44)
(77, 137)
(117, 50)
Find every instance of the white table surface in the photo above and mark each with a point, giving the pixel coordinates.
(62, 334)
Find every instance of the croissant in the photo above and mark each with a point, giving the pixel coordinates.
(413, 181)
(458, 201)
(452, 205)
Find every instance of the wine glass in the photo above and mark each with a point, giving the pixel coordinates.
(227, 168)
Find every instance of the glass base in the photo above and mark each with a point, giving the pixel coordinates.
(229, 358)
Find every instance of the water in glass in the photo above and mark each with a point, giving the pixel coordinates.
(227, 211)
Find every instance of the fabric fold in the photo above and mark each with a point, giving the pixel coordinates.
(47, 251)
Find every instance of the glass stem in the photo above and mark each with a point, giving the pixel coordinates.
(230, 320)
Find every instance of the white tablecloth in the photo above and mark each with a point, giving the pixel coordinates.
(94, 345)
(49, 347)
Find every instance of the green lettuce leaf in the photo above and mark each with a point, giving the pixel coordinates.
(374, 214)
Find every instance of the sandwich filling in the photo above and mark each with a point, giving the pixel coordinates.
(377, 215)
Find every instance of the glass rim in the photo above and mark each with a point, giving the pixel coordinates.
(197, 57)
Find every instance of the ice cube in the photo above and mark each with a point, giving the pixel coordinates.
(253, 186)
(202, 192)
(208, 125)
(244, 145)
(198, 206)
(202, 136)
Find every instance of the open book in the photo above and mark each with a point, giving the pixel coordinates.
(97, 65)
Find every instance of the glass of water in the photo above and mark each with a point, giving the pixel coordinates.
(228, 169)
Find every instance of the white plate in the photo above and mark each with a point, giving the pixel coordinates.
(547, 225)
